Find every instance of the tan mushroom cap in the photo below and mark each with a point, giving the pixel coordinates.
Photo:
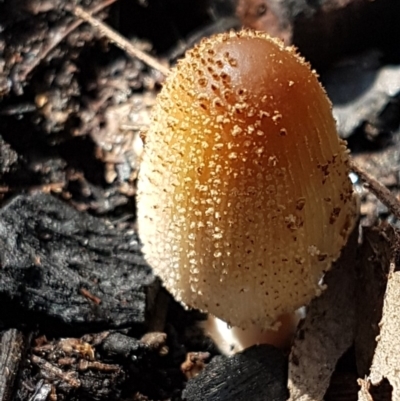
(244, 198)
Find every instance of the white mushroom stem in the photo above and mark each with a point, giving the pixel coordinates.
(231, 340)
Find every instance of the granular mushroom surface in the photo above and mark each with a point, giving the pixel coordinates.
(244, 199)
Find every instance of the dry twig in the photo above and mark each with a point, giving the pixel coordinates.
(379, 190)
(119, 40)
(58, 35)
(47, 188)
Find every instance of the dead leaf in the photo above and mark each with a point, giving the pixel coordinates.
(373, 268)
(386, 360)
(363, 394)
(377, 342)
(327, 332)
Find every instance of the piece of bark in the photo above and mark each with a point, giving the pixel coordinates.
(327, 331)
(41, 392)
(258, 374)
(11, 349)
(62, 266)
(194, 363)
(8, 157)
(119, 347)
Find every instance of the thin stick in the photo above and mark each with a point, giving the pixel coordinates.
(57, 36)
(379, 190)
(119, 40)
(52, 187)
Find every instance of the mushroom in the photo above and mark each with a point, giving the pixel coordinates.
(244, 199)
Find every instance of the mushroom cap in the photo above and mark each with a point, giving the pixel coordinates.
(244, 199)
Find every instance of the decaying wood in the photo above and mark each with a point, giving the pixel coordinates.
(59, 265)
(11, 349)
(257, 374)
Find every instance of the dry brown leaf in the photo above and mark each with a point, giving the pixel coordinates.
(386, 360)
(375, 255)
(377, 342)
(327, 332)
(363, 394)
